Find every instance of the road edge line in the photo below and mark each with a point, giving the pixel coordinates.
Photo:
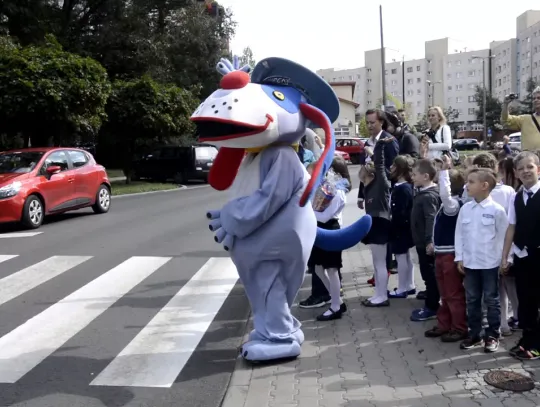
(181, 188)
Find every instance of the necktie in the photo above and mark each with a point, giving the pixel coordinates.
(529, 195)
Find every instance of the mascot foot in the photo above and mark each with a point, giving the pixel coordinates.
(298, 336)
(261, 351)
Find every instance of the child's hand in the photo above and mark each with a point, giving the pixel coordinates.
(505, 266)
(447, 162)
(430, 249)
(460, 267)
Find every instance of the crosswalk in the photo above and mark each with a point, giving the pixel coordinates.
(18, 235)
(158, 352)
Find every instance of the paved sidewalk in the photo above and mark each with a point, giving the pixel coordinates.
(376, 357)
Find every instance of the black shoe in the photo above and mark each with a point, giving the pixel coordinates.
(332, 316)
(369, 304)
(343, 308)
(491, 344)
(422, 295)
(313, 302)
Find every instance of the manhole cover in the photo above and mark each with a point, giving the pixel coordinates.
(505, 380)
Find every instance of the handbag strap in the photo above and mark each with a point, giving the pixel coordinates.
(535, 122)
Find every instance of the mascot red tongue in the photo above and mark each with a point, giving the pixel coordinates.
(268, 225)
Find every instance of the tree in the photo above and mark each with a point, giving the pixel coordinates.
(526, 105)
(142, 111)
(493, 109)
(49, 95)
(247, 58)
(362, 127)
(452, 116)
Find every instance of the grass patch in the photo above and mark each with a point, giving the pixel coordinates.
(135, 187)
(112, 173)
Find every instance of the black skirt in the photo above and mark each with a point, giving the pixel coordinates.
(379, 232)
(326, 259)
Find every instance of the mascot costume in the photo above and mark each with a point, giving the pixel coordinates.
(268, 225)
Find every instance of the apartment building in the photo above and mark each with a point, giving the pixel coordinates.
(504, 74)
(528, 49)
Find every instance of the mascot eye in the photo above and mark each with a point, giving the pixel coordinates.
(278, 95)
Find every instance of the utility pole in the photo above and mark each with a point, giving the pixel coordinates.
(403, 78)
(383, 68)
(484, 96)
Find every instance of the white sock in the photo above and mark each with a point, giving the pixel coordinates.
(405, 272)
(378, 253)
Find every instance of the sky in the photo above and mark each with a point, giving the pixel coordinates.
(334, 34)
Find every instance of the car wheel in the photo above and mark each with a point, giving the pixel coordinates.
(179, 178)
(103, 200)
(355, 158)
(33, 212)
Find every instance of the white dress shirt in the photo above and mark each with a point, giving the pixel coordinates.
(335, 209)
(512, 216)
(480, 231)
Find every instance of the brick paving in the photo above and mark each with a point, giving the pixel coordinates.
(377, 357)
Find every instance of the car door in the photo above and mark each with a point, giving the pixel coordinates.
(58, 189)
(85, 185)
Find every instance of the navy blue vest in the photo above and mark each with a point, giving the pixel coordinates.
(444, 231)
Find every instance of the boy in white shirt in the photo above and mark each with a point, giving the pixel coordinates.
(479, 241)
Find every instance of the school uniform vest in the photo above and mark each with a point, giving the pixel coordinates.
(527, 221)
(444, 231)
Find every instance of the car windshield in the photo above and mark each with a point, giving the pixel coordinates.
(206, 152)
(19, 162)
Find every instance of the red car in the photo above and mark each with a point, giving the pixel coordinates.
(354, 146)
(35, 182)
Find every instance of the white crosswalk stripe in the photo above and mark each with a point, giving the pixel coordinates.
(19, 235)
(156, 355)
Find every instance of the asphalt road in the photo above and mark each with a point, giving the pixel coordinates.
(137, 307)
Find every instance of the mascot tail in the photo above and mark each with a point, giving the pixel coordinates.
(331, 240)
(343, 239)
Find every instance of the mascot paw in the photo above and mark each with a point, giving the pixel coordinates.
(214, 225)
(298, 336)
(228, 242)
(260, 351)
(213, 214)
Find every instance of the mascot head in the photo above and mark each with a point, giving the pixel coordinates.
(274, 106)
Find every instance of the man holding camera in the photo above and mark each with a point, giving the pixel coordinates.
(528, 124)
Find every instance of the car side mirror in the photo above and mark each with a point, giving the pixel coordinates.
(53, 169)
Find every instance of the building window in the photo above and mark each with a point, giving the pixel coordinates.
(458, 75)
(342, 132)
(449, 87)
(418, 103)
(369, 91)
(394, 82)
(369, 69)
(419, 91)
(449, 101)
(418, 68)
(472, 110)
(429, 73)
(409, 69)
(459, 87)
(449, 76)
(458, 63)
(394, 93)
(410, 93)
(472, 86)
(472, 73)
(418, 80)
(458, 100)
(472, 99)
(449, 64)
(394, 71)
(409, 81)
(418, 115)
(358, 76)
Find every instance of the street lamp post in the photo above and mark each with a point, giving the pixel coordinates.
(484, 97)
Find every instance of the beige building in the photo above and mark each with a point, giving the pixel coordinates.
(345, 125)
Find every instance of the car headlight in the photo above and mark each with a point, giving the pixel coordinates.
(10, 190)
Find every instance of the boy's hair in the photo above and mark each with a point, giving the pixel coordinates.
(486, 175)
(526, 154)
(468, 160)
(404, 165)
(425, 166)
(457, 182)
(485, 160)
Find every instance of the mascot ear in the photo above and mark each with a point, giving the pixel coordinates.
(225, 167)
(318, 117)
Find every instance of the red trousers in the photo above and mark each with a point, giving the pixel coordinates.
(451, 315)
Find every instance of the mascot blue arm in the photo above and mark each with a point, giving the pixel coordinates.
(268, 225)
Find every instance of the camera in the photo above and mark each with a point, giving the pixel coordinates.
(512, 96)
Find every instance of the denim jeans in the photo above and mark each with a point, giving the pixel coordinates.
(484, 283)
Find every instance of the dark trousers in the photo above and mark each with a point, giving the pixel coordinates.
(318, 289)
(427, 270)
(527, 283)
(451, 315)
(484, 283)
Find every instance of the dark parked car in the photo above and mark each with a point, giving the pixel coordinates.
(465, 144)
(180, 164)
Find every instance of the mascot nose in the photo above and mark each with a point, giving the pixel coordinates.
(234, 80)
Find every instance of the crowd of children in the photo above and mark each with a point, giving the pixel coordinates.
(474, 230)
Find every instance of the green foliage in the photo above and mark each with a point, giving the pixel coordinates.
(247, 58)
(362, 127)
(493, 109)
(526, 104)
(452, 116)
(143, 111)
(48, 94)
(390, 100)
